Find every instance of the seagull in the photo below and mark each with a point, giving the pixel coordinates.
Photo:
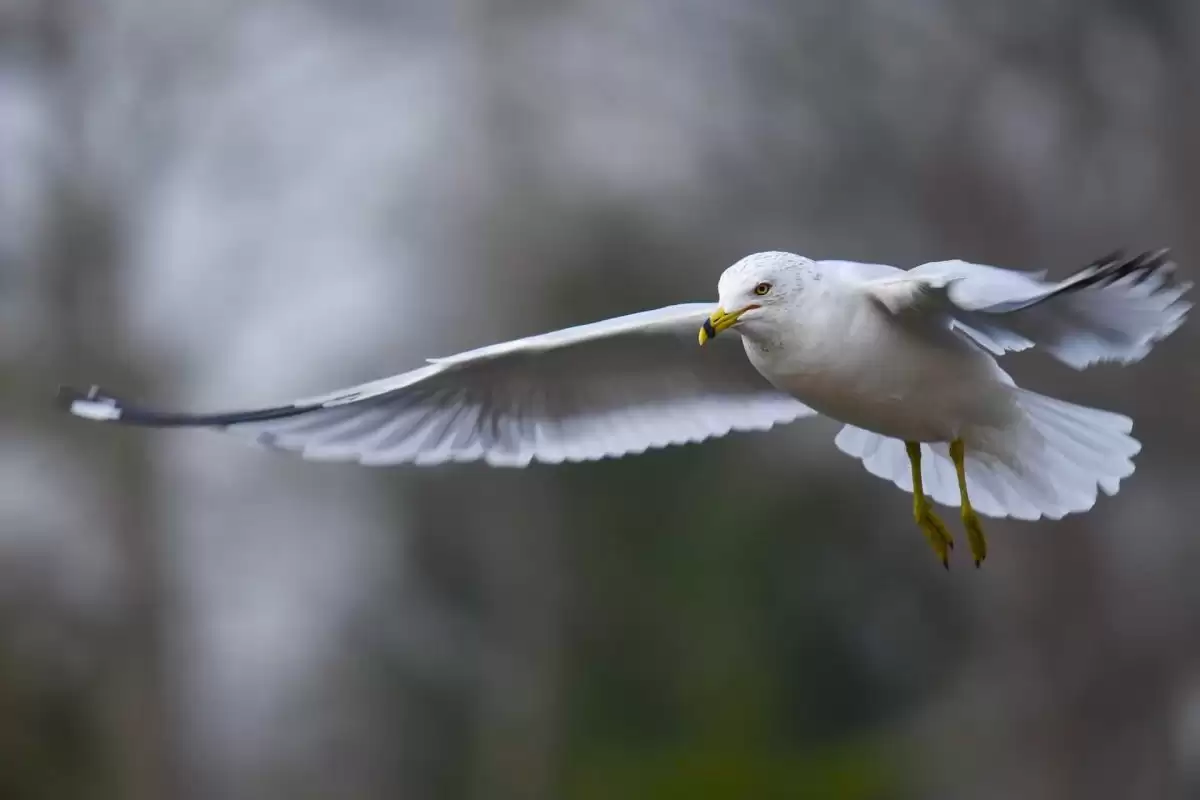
(904, 360)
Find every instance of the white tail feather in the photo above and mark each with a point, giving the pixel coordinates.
(1049, 464)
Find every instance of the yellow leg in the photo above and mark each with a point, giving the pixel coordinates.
(969, 518)
(935, 530)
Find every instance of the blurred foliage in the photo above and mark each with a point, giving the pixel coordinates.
(51, 744)
(738, 767)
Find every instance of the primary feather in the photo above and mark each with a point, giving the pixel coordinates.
(1115, 309)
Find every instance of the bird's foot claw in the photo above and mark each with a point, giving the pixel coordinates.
(934, 529)
(975, 535)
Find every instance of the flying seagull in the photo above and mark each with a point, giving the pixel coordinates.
(904, 359)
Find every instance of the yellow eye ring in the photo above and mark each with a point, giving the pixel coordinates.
(762, 288)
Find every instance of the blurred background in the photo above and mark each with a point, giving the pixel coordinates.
(208, 204)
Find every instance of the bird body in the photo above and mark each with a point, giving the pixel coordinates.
(906, 360)
(911, 383)
(911, 369)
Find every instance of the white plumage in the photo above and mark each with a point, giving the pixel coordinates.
(896, 355)
(1053, 462)
(604, 389)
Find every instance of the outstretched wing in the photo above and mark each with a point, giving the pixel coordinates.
(1114, 309)
(605, 389)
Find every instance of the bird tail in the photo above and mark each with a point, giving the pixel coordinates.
(1049, 464)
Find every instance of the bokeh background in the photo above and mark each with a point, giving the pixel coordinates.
(209, 204)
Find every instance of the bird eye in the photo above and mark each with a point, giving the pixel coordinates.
(762, 288)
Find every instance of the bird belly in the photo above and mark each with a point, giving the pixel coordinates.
(908, 387)
(907, 413)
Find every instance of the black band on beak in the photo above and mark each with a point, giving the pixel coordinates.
(708, 329)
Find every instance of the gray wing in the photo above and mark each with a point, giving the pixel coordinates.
(605, 389)
(1114, 309)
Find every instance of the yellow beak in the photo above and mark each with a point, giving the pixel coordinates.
(719, 320)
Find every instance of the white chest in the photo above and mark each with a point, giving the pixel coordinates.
(861, 368)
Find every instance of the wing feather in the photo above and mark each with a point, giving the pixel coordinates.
(1114, 309)
(604, 389)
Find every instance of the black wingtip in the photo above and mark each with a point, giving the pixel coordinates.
(1117, 265)
(96, 405)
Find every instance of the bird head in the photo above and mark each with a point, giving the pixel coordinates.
(754, 293)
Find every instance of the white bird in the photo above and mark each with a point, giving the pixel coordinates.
(906, 360)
